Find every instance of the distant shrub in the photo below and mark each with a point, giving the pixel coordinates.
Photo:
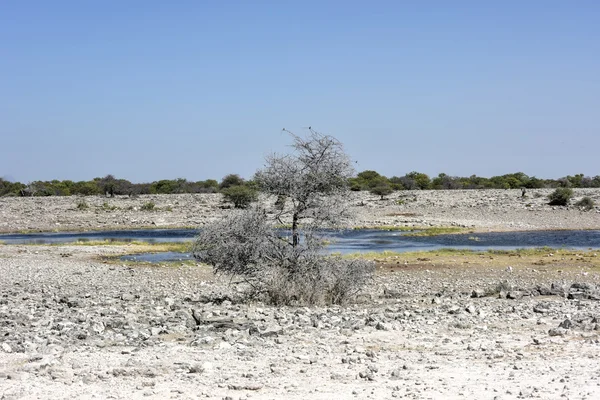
(560, 197)
(586, 203)
(355, 186)
(381, 189)
(149, 206)
(108, 207)
(85, 188)
(240, 196)
(82, 204)
(231, 180)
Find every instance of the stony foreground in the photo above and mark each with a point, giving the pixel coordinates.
(72, 326)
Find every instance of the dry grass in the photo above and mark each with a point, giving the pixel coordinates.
(539, 259)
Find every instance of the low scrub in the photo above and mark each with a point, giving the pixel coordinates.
(246, 245)
(240, 196)
(82, 205)
(382, 189)
(586, 203)
(108, 207)
(149, 206)
(560, 197)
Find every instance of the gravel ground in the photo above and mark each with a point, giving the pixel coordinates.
(72, 326)
(485, 210)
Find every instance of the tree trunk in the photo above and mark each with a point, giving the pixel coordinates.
(295, 234)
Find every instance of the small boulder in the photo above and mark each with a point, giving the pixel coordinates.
(514, 295)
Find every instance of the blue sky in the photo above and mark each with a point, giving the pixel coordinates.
(149, 90)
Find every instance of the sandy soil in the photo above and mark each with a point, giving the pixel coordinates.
(439, 326)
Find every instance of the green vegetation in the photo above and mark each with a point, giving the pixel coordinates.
(382, 189)
(560, 197)
(231, 180)
(586, 203)
(425, 256)
(82, 204)
(438, 230)
(109, 186)
(240, 195)
(149, 206)
(133, 247)
(108, 207)
(368, 180)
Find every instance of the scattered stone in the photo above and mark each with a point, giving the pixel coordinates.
(566, 324)
(514, 295)
(127, 297)
(557, 332)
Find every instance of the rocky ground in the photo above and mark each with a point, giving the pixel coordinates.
(441, 326)
(477, 209)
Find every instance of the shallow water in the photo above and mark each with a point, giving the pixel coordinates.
(145, 235)
(344, 242)
(166, 256)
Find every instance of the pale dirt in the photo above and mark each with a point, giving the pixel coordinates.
(484, 210)
(72, 326)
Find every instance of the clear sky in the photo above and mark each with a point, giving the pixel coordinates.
(149, 90)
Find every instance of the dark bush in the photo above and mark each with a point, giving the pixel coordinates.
(366, 180)
(10, 188)
(149, 206)
(381, 189)
(85, 188)
(560, 197)
(240, 196)
(231, 180)
(82, 204)
(586, 203)
(443, 181)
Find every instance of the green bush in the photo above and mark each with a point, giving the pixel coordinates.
(231, 180)
(560, 197)
(381, 189)
(240, 196)
(82, 204)
(586, 203)
(108, 207)
(149, 206)
(85, 188)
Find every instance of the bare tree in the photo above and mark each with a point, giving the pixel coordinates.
(314, 179)
(311, 186)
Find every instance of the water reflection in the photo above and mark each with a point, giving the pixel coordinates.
(347, 241)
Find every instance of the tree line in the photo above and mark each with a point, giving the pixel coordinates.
(366, 180)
